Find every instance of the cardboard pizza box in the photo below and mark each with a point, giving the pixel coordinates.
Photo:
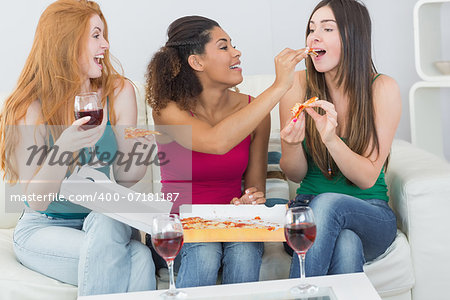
(92, 189)
(270, 217)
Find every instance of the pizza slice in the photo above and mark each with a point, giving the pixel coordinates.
(298, 107)
(132, 133)
(312, 51)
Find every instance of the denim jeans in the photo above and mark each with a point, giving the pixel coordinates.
(350, 231)
(200, 263)
(95, 253)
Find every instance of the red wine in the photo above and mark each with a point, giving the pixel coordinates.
(168, 244)
(95, 120)
(301, 236)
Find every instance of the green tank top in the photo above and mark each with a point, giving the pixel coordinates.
(316, 183)
(62, 208)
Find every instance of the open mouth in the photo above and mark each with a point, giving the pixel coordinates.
(236, 66)
(98, 59)
(319, 52)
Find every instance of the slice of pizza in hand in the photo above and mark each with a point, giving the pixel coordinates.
(298, 107)
(132, 133)
(312, 52)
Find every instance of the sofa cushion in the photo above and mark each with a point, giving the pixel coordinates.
(397, 259)
(142, 117)
(7, 220)
(19, 282)
(277, 187)
(392, 273)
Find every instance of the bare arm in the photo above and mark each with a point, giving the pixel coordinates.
(45, 176)
(256, 173)
(293, 160)
(125, 108)
(359, 169)
(225, 135)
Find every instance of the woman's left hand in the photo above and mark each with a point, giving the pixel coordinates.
(326, 124)
(251, 196)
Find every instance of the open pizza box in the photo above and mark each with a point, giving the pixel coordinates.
(267, 222)
(92, 189)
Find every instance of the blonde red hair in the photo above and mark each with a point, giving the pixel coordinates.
(52, 74)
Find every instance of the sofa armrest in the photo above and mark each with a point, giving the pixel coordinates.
(419, 185)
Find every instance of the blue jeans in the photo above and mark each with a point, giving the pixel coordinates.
(200, 263)
(95, 253)
(350, 231)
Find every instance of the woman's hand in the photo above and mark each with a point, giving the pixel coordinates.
(285, 63)
(294, 131)
(326, 124)
(251, 196)
(75, 138)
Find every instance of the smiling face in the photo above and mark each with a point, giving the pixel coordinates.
(95, 47)
(325, 39)
(220, 63)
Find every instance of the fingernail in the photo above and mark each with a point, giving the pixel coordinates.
(236, 202)
(253, 202)
(295, 120)
(247, 191)
(250, 197)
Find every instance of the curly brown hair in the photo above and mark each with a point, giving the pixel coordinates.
(169, 76)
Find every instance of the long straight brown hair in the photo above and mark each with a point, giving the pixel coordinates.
(355, 75)
(52, 75)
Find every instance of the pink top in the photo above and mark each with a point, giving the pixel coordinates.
(209, 179)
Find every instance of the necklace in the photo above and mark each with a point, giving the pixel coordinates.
(329, 165)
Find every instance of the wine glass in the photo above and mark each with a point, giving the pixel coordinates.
(300, 233)
(167, 239)
(89, 104)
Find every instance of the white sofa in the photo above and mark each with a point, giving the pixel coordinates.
(414, 267)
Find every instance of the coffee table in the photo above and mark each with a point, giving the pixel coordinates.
(353, 286)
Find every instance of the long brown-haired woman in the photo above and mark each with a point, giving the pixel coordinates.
(60, 239)
(339, 148)
(189, 83)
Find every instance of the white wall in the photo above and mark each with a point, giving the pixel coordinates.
(259, 28)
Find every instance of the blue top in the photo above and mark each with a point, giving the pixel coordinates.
(62, 208)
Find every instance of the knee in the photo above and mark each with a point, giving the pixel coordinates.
(348, 254)
(200, 263)
(143, 256)
(349, 242)
(324, 206)
(142, 267)
(106, 229)
(205, 257)
(245, 251)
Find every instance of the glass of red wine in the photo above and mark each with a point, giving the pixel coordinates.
(89, 104)
(167, 239)
(300, 233)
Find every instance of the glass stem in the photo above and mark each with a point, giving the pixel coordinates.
(301, 259)
(171, 277)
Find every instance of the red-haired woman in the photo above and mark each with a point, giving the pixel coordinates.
(57, 238)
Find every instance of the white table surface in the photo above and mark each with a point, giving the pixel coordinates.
(355, 286)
